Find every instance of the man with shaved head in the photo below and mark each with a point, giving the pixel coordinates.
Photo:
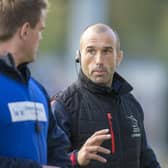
(102, 119)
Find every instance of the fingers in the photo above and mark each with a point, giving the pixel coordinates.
(91, 148)
(93, 156)
(97, 140)
(101, 132)
(98, 137)
(88, 153)
(96, 149)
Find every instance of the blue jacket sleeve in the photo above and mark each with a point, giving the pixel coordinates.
(57, 140)
(58, 145)
(17, 163)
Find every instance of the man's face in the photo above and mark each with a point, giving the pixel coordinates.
(33, 39)
(99, 56)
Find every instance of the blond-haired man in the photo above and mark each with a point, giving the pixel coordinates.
(29, 136)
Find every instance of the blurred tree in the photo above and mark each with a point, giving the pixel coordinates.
(141, 25)
(55, 32)
(163, 31)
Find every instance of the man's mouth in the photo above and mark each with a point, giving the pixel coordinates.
(99, 72)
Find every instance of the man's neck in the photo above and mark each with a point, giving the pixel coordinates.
(10, 47)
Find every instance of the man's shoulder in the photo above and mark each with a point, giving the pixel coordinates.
(129, 97)
(36, 83)
(130, 100)
(33, 81)
(68, 93)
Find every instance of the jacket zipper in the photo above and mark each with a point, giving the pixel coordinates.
(111, 132)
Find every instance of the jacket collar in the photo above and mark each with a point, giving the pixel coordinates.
(7, 67)
(119, 86)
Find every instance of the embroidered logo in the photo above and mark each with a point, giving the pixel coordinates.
(135, 127)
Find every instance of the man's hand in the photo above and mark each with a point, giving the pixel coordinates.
(92, 146)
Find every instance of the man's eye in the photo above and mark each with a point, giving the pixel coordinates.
(107, 51)
(91, 51)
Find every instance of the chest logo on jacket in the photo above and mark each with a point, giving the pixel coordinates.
(27, 111)
(135, 127)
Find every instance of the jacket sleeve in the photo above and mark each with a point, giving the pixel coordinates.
(6, 162)
(63, 117)
(57, 141)
(58, 144)
(148, 157)
(64, 121)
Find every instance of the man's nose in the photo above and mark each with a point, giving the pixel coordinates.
(99, 58)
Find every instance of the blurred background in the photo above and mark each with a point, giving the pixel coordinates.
(143, 30)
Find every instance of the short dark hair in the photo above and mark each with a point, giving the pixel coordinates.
(14, 13)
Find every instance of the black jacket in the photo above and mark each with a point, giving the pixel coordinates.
(85, 107)
(56, 140)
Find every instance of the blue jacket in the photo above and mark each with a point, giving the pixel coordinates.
(29, 136)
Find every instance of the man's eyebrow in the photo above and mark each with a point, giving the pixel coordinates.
(90, 47)
(106, 47)
(109, 47)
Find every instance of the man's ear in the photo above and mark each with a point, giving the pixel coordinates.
(120, 56)
(24, 30)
